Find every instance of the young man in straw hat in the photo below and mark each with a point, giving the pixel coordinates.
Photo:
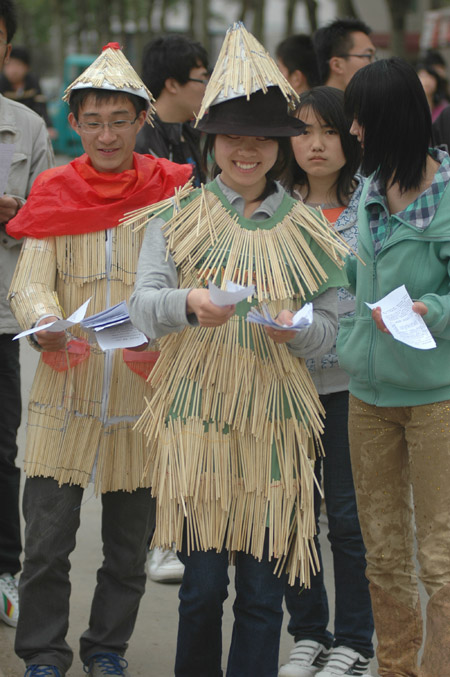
(84, 401)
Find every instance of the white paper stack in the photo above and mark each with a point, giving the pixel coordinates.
(301, 320)
(232, 294)
(403, 323)
(113, 329)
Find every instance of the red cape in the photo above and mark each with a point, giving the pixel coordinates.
(63, 202)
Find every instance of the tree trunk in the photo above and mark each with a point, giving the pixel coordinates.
(25, 24)
(81, 27)
(150, 10)
(192, 17)
(398, 10)
(290, 15)
(346, 8)
(60, 23)
(123, 16)
(311, 6)
(103, 18)
(245, 7)
(205, 39)
(163, 21)
(258, 20)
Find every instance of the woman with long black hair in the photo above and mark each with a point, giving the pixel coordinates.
(400, 396)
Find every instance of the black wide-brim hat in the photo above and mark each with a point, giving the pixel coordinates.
(263, 114)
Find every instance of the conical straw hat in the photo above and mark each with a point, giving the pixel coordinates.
(243, 67)
(112, 70)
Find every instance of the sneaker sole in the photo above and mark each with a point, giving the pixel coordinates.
(8, 621)
(165, 578)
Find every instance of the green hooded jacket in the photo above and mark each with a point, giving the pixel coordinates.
(384, 371)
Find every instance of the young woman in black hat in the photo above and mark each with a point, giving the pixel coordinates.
(234, 408)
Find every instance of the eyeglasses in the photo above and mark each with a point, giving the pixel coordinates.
(115, 126)
(204, 82)
(370, 57)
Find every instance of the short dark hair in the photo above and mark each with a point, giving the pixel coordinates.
(441, 91)
(388, 101)
(79, 96)
(21, 54)
(274, 173)
(8, 13)
(297, 53)
(335, 39)
(432, 58)
(171, 56)
(328, 104)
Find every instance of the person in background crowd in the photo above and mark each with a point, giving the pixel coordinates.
(434, 58)
(323, 174)
(84, 402)
(399, 411)
(32, 153)
(297, 61)
(435, 87)
(441, 130)
(19, 84)
(175, 69)
(342, 48)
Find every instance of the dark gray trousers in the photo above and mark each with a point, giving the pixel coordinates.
(52, 516)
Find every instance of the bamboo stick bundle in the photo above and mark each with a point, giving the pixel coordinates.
(138, 218)
(243, 67)
(112, 70)
(225, 398)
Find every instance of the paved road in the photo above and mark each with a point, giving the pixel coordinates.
(152, 647)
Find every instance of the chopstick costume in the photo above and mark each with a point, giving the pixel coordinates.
(232, 415)
(75, 248)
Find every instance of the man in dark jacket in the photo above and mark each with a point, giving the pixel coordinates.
(175, 69)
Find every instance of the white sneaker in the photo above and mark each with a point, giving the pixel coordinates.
(306, 659)
(9, 600)
(345, 661)
(164, 566)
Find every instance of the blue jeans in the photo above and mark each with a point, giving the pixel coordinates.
(308, 609)
(10, 412)
(257, 611)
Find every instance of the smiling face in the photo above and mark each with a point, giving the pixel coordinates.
(109, 150)
(245, 161)
(318, 150)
